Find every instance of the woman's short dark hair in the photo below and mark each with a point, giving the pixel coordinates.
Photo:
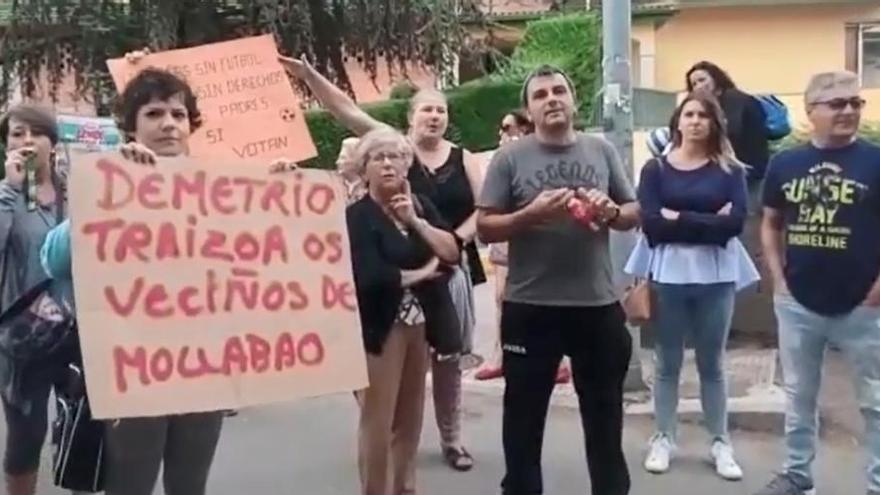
(41, 120)
(148, 85)
(722, 80)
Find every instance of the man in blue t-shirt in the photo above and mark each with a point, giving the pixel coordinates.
(821, 239)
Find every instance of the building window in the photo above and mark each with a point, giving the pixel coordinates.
(869, 55)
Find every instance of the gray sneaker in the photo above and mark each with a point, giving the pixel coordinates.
(788, 484)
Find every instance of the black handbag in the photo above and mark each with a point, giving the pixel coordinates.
(442, 326)
(37, 333)
(77, 438)
(38, 327)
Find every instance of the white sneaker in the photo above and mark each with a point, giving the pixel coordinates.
(725, 464)
(659, 454)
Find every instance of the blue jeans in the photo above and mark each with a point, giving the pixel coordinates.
(706, 310)
(803, 337)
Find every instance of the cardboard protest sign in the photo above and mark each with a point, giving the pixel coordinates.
(247, 103)
(203, 286)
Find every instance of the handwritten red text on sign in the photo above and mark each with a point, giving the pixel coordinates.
(204, 270)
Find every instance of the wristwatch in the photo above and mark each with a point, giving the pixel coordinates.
(615, 216)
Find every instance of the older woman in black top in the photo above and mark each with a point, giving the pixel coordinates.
(450, 177)
(399, 247)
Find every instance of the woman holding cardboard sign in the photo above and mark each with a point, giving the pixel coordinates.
(450, 177)
(399, 247)
(158, 112)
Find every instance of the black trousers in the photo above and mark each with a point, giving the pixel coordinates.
(534, 340)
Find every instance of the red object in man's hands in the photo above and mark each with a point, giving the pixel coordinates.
(582, 211)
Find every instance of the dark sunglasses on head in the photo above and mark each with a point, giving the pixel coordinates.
(841, 103)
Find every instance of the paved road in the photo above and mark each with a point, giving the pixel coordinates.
(308, 448)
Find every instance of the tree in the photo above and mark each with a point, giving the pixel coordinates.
(47, 40)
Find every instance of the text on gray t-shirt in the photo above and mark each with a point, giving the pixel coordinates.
(559, 263)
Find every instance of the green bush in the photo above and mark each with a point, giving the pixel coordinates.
(328, 134)
(475, 111)
(571, 43)
(403, 91)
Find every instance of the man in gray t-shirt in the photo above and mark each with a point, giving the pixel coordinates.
(580, 272)
(560, 298)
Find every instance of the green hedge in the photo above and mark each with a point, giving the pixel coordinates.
(328, 134)
(570, 42)
(475, 111)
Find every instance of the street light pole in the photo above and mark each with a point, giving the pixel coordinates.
(617, 77)
(618, 129)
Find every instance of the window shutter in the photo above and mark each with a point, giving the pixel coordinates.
(851, 56)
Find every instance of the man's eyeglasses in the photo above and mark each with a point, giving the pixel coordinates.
(839, 104)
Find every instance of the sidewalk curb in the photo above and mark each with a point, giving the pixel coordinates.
(761, 410)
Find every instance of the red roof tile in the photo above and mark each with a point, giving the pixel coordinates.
(515, 7)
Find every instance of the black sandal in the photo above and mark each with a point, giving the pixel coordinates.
(458, 459)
